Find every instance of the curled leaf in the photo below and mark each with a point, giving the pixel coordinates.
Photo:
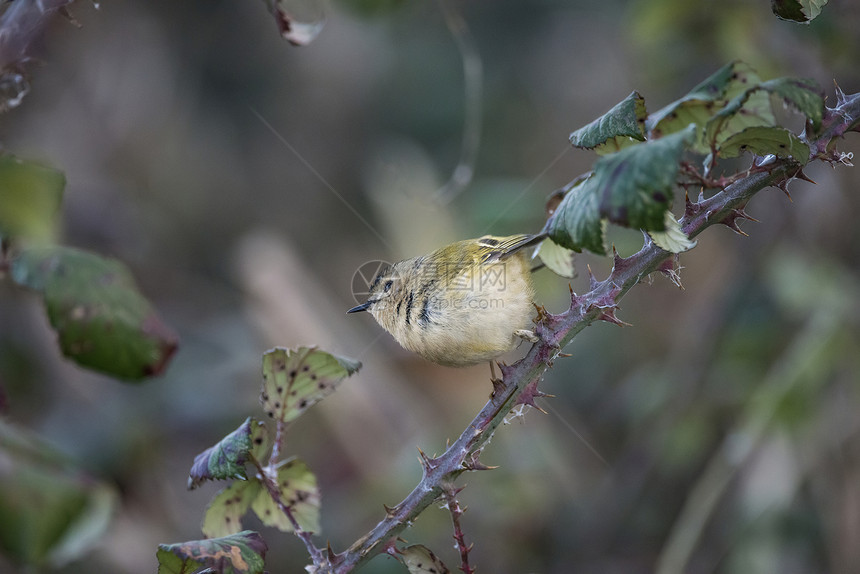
(618, 128)
(801, 11)
(558, 259)
(673, 239)
(227, 458)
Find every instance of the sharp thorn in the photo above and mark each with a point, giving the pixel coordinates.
(804, 177)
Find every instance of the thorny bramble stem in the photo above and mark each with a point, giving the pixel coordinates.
(556, 331)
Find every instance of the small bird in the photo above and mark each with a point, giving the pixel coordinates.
(460, 305)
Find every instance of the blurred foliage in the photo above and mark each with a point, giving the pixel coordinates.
(30, 196)
(102, 321)
(244, 243)
(52, 513)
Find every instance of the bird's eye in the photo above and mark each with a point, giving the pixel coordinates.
(387, 286)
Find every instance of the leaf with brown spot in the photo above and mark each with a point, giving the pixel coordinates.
(699, 104)
(298, 489)
(224, 513)
(241, 553)
(296, 379)
(419, 559)
(765, 140)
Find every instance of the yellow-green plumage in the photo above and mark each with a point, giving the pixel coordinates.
(459, 305)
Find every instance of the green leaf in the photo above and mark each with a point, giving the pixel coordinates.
(224, 513)
(751, 108)
(616, 129)
(766, 140)
(702, 102)
(636, 185)
(802, 11)
(673, 239)
(52, 513)
(103, 322)
(227, 458)
(296, 379)
(576, 223)
(558, 259)
(298, 489)
(805, 95)
(240, 553)
(421, 560)
(30, 196)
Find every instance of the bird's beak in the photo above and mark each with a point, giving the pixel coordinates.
(363, 307)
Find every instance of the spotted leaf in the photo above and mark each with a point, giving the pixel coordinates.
(298, 490)
(241, 553)
(421, 560)
(296, 379)
(224, 513)
(700, 104)
(766, 140)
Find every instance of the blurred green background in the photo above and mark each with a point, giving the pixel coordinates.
(244, 181)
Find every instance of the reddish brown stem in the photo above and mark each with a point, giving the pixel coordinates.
(456, 512)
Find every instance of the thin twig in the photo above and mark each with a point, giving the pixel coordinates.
(456, 512)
